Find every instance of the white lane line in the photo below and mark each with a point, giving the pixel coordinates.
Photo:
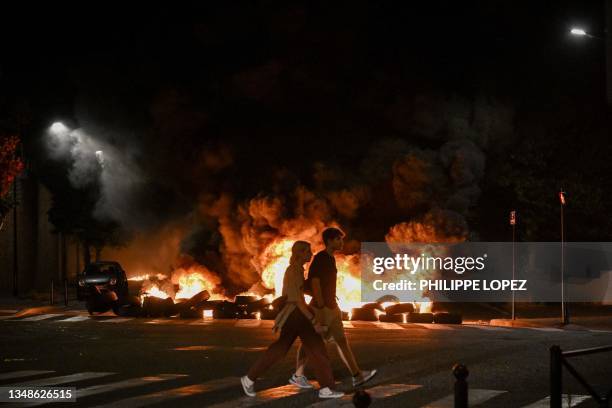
(117, 320)
(376, 393)
(348, 325)
(168, 395)
(20, 374)
(8, 311)
(436, 326)
(475, 397)
(262, 397)
(40, 317)
(388, 326)
(600, 331)
(119, 385)
(567, 401)
(64, 379)
(73, 319)
(248, 323)
(195, 348)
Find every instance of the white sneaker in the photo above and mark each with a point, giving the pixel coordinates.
(363, 378)
(327, 393)
(300, 381)
(248, 389)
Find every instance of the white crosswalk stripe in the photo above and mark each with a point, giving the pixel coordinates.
(172, 394)
(567, 401)
(248, 323)
(114, 386)
(262, 397)
(64, 379)
(475, 397)
(486, 327)
(435, 326)
(39, 317)
(117, 320)
(73, 319)
(388, 326)
(22, 374)
(544, 329)
(378, 392)
(348, 325)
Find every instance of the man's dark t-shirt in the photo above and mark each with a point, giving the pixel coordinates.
(323, 266)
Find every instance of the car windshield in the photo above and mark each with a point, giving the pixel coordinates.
(101, 268)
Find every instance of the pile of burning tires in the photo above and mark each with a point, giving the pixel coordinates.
(401, 313)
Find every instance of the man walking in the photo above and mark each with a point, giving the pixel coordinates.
(322, 278)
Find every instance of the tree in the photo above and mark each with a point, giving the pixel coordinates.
(10, 167)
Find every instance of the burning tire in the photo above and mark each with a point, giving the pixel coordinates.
(394, 318)
(225, 310)
(400, 308)
(268, 314)
(100, 302)
(420, 317)
(367, 315)
(447, 318)
(129, 307)
(373, 305)
(158, 307)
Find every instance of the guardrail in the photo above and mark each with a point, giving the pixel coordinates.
(558, 359)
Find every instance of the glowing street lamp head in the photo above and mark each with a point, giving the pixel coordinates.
(58, 128)
(578, 31)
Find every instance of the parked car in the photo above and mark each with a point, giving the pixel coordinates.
(100, 278)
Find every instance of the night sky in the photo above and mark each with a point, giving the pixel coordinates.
(254, 99)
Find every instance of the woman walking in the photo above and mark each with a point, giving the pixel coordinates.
(295, 320)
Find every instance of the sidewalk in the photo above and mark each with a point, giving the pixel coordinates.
(576, 323)
(22, 306)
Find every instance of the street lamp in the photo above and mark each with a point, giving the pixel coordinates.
(58, 128)
(579, 32)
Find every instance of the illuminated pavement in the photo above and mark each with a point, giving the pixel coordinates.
(140, 362)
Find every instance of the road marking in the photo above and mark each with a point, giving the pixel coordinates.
(117, 320)
(7, 317)
(435, 326)
(8, 311)
(20, 374)
(204, 322)
(248, 323)
(567, 401)
(348, 325)
(60, 380)
(168, 395)
(378, 392)
(39, 317)
(544, 329)
(486, 327)
(600, 331)
(262, 397)
(475, 397)
(102, 388)
(74, 319)
(388, 326)
(195, 348)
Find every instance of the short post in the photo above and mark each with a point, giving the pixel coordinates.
(65, 292)
(461, 386)
(555, 376)
(51, 293)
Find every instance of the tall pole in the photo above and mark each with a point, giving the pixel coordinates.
(15, 249)
(513, 268)
(564, 319)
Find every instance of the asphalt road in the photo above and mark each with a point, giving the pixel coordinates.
(170, 362)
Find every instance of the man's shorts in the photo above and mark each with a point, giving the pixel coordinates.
(332, 318)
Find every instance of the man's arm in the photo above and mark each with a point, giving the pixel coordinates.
(317, 295)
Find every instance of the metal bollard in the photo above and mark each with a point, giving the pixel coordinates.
(65, 292)
(556, 378)
(461, 386)
(51, 301)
